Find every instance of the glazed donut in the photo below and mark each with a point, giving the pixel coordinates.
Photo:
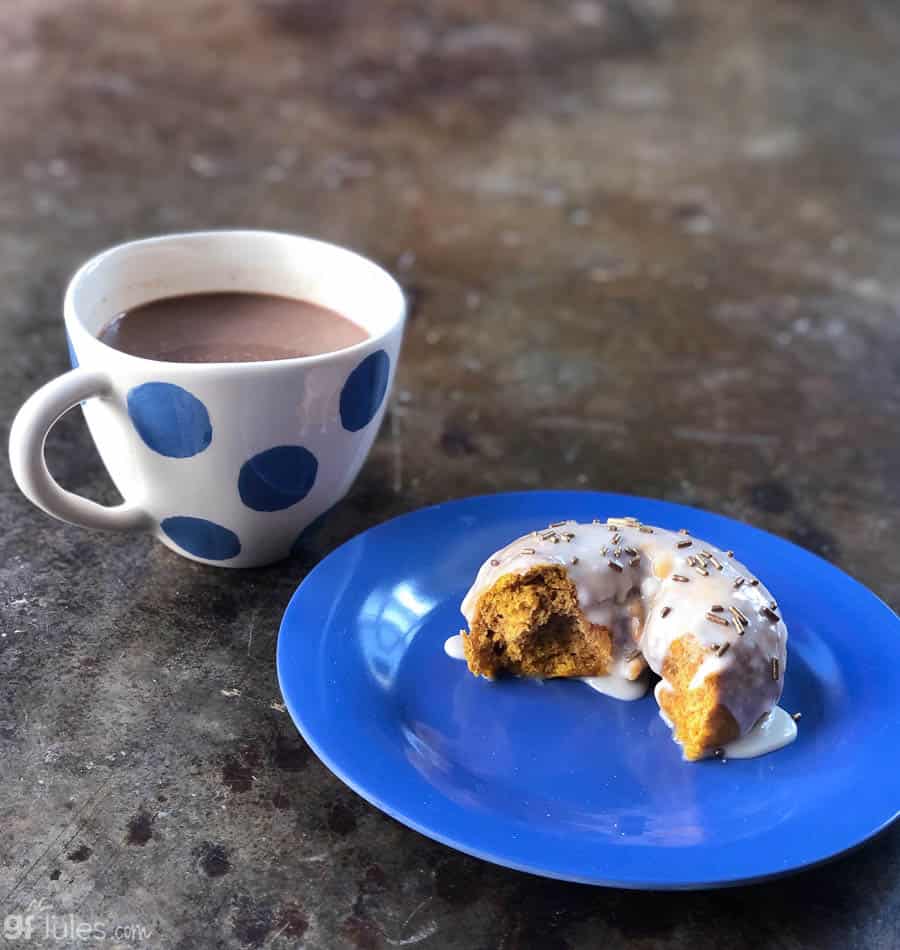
(609, 599)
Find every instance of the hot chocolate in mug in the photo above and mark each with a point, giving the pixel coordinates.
(226, 463)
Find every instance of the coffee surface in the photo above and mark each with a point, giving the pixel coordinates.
(227, 327)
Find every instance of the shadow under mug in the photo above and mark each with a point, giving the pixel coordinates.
(226, 463)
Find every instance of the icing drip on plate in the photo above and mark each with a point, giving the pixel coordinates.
(772, 732)
(777, 730)
(453, 647)
(615, 685)
(618, 686)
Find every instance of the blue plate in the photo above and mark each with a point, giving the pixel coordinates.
(554, 778)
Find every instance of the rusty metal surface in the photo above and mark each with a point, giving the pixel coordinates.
(650, 246)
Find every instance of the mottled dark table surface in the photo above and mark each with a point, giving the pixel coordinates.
(651, 246)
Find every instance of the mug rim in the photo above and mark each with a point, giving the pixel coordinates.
(396, 321)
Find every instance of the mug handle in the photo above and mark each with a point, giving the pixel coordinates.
(26, 454)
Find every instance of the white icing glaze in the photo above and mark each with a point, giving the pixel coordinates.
(618, 686)
(586, 551)
(453, 647)
(777, 730)
(661, 687)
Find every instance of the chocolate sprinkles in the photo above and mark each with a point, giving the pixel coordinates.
(684, 544)
(715, 618)
(681, 578)
(740, 620)
(775, 668)
(665, 612)
(616, 566)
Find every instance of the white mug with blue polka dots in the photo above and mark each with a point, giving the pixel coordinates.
(226, 463)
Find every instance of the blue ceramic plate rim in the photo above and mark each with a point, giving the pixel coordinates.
(352, 769)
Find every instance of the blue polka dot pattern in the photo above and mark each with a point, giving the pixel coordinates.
(202, 538)
(169, 419)
(308, 535)
(73, 359)
(277, 478)
(364, 391)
